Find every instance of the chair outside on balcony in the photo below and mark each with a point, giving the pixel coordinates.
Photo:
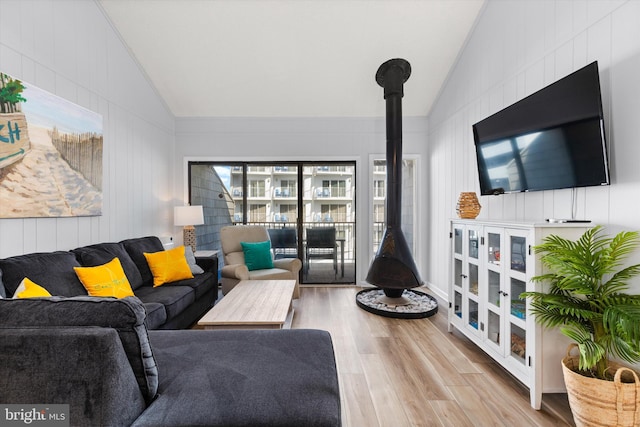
(321, 244)
(284, 242)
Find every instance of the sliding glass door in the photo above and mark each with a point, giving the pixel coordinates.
(308, 209)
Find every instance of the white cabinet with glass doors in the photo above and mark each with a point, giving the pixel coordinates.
(492, 264)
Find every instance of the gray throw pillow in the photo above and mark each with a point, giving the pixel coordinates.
(191, 260)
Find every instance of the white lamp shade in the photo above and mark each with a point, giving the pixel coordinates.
(188, 215)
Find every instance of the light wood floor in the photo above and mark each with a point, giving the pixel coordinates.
(396, 372)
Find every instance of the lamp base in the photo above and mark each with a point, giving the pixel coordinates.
(189, 236)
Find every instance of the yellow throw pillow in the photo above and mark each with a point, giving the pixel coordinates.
(107, 280)
(29, 289)
(168, 266)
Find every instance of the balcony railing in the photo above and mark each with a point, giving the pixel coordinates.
(344, 232)
(285, 192)
(326, 192)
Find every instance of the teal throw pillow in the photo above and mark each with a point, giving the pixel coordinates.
(257, 256)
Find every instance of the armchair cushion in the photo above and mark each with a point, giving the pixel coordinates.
(257, 256)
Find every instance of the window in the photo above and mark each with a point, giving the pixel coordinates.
(333, 213)
(256, 188)
(379, 188)
(336, 188)
(257, 213)
(288, 213)
(380, 166)
(288, 188)
(378, 213)
(378, 181)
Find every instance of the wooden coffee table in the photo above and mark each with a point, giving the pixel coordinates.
(253, 304)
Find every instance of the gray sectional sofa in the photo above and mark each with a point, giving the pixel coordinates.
(174, 305)
(109, 360)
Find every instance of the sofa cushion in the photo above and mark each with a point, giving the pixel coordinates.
(125, 315)
(156, 315)
(107, 280)
(51, 270)
(175, 299)
(29, 289)
(244, 378)
(201, 283)
(168, 266)
(101, 253)
(136, 248)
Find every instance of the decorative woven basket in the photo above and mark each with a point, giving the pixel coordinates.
(468, 206)
(600, 403)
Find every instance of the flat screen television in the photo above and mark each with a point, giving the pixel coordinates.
(551, 139)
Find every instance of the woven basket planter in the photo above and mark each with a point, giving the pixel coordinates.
(468, 206)
(600, 403)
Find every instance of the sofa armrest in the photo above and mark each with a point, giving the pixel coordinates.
(292, 264)
(84, 367)
(236, 271)
(208, 263)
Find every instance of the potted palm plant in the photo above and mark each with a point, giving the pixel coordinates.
(585, 297)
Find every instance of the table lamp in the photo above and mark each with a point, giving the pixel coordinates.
(188, 216)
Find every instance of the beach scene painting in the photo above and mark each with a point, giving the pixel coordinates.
(50, 154)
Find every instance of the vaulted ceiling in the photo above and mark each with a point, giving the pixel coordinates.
(291, 58)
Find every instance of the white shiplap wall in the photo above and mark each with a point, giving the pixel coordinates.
(69, 48)
(517, 48)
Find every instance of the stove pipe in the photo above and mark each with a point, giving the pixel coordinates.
(393, 268)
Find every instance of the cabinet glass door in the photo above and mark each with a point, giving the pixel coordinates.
(494, 293)
(472, 277)
(518, 343)
(494, 243)
(494, 327)
(473, 314)
(457, 241)
(516, 284)
(517, 305)
(473, 243)
(458, 302)
(518, 252)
